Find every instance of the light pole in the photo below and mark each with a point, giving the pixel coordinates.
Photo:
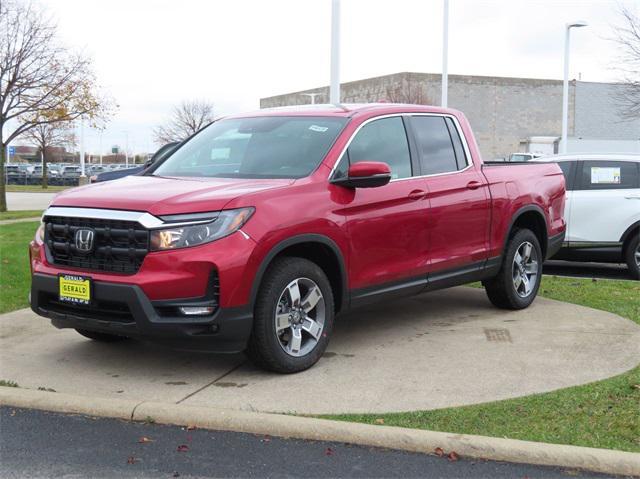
(334, 89)
(565, 85)
(445, 54)
(312, 96)
(126, 148)
(82, 173)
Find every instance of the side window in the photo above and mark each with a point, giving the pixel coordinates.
(434, 143)
(567, 170)
(382, 140)
(609, 175)
(461, 158)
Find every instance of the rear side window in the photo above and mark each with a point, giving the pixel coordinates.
(382, 140)
(461, 158)
(437, 154)
(609, 175)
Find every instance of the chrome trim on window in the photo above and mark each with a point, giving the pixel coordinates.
(145, 219)
(463, 138)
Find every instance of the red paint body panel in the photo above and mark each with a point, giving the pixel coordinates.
(405, 229)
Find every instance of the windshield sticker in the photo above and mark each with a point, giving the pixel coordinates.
(320, 129)
(607, 175)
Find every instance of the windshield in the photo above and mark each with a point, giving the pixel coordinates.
(260, 147)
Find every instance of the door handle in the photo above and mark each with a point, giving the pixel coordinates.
(417, 194)
(473, 185)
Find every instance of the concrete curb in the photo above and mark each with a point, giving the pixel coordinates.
(412, 440)
(20, 220)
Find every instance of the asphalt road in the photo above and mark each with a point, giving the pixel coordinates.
(41, 444)
(587, 270)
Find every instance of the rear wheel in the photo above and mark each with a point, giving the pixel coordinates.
(632, 256)
(102, 337)
(516, 284)
(293, 317)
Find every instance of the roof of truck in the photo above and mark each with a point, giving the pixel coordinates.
(343, 109)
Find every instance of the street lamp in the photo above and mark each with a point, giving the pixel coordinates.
(445, 54)
(334, 88)
(565, 85)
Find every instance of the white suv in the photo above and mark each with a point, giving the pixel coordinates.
(602, 210)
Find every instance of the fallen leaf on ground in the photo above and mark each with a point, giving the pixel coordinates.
(190, 428)
(144, 440)
(328, 452)
(131, 460)
(439, 452)
(453, 456)
(266, 438)
(380, 421)
(183, 448)
(176, 474)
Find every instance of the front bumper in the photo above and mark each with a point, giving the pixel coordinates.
(124, 309)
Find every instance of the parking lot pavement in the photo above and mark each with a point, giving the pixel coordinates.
(36, 438)
(587, 270)
(29, 201)
(441, 349)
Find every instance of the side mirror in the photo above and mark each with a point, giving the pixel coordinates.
(366, 174)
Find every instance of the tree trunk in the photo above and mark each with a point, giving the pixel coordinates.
(44, 168)
(3, 193)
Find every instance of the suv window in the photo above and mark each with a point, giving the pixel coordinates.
(609, 175)
(382, 140)
(434, 143)
(567, 169)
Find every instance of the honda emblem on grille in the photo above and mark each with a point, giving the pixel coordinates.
(84, 240)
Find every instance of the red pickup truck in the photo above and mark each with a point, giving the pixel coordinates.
(256, 232)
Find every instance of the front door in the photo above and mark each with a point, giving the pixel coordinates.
(387, 225)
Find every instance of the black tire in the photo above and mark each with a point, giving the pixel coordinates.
(632, 249)
(101, 337)
(501, 289)
(265, 348)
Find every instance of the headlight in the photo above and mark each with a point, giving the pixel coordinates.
(227, 222)
(40, 232)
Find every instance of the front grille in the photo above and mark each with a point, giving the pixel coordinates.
(119, 246)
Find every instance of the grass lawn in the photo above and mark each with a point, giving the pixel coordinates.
(35, 189)
(14, 265)
(15, 215)
(604, 414)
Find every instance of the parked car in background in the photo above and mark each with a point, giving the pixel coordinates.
(522, 156)
(70, 172)
(603, 208)
(257, 230)
(117, 173)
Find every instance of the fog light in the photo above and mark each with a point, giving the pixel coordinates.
(196, 310)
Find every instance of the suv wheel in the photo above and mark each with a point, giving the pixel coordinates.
(632, 256)
(102, 337)
(516, 284)
(293, 317)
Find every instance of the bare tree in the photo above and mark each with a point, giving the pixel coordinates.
(48, 135)
(407, 92)
(41, 82)
(627, 37)
(186, 119)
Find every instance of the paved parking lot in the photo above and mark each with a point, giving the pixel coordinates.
(441, 349)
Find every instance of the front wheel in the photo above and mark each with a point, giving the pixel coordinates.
(293, 317)
(516, 284)
(632, 256)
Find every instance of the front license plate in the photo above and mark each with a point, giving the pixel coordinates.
(74, 289)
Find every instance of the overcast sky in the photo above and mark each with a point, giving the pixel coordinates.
(151, 54)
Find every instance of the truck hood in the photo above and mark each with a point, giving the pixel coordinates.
(164, 196)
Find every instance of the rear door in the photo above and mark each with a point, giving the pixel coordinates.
(605, 201)
(459, 212)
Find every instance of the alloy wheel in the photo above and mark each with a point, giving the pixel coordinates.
(525, 269)
(299, 317)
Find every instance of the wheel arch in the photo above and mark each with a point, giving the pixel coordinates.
(531, 217)
(317, 248)
(627, 235)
